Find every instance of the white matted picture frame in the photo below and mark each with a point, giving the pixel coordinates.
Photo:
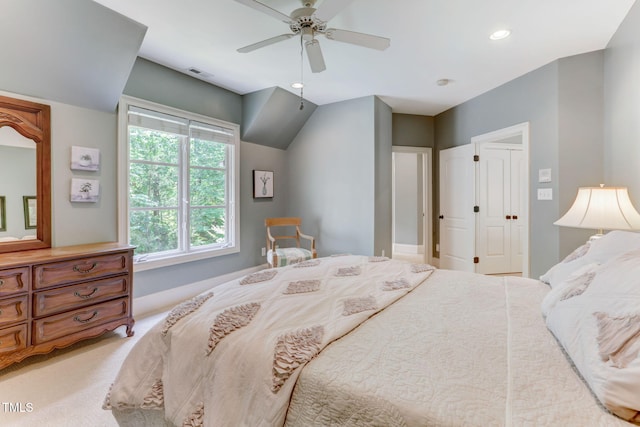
(85, 159)
(85, 190)
(262, 184)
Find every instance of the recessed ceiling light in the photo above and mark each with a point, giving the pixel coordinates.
(297, 85)
(443, 82)
(500, 34)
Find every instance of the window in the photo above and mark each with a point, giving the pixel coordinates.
(178, 184)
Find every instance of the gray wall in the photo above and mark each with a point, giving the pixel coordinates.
(562, 102)
(622, 106)
(408, 199)
(383, 208)
(580, 135)
(156, 83)
(412, 130)
(332, 177)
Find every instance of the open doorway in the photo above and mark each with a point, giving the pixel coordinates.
(411, 210)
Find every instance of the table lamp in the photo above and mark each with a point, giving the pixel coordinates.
(601, 208)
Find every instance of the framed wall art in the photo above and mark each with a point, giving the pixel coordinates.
(85, 159)
(262, 184)
(30, 212)
(85, 190)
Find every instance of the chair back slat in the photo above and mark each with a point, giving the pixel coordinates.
(275, 222)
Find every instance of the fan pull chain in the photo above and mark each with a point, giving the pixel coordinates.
(301, 73)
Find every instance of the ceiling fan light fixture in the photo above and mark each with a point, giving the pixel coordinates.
(500, 34)
(307, 34)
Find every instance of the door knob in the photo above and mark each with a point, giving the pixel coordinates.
(508, 216)
(441, 217)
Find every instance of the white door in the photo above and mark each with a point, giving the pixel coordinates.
(499, 230)
(457, 222)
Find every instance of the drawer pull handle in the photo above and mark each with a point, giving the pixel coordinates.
(79, 269)
(89, 295)
(79, 320)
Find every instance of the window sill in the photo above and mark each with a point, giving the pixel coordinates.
(181, 259)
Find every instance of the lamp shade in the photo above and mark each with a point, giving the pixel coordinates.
(602, 208)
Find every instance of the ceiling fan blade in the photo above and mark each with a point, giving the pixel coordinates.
(266, 9)
(330, 8)
(264, 43)
(360, 39)
(316, 60)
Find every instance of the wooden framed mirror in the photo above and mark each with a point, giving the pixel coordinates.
(32, 121)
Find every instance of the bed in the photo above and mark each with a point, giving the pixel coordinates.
(369, 341)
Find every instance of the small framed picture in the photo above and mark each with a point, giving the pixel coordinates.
(85, 159)
(262, 184)
(3, 214)
(30, 212)
(85, 190)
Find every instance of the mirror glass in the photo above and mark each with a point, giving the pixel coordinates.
(18, 161)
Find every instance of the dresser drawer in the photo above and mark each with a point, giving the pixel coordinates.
(13, 310)
(57, 273)
(55, 300)
(14, 281)
(60, 325)
(13, 338)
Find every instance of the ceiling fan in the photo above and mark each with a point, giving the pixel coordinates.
(309, 22)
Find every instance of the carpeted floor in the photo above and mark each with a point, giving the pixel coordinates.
(67, 387)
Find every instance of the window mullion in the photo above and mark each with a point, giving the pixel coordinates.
(184, 196)
(229, 202)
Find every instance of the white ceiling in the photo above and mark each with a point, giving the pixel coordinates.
(430, 40)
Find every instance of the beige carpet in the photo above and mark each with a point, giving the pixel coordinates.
(67, 387)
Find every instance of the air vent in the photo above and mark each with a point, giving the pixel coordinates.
(196, 72)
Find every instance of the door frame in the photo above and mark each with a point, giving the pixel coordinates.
(427, 191)
(520, 130)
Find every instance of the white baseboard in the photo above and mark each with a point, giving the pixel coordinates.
(171, 297)
(408, 249)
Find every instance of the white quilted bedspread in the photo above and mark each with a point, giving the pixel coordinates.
(231, 356)
(460, 350)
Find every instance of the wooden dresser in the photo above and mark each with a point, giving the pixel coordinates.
(52, 298)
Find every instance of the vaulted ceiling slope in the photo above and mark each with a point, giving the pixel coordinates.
(273, 117)
(71, 51)
(430, 40)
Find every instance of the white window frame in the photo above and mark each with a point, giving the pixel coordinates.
(141, 264)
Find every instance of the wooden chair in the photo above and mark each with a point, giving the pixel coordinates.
(278, 257)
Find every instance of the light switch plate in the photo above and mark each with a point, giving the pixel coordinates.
(544, 175)
(545, 193)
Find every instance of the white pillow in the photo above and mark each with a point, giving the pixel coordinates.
(595, 315)
(597, 251)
